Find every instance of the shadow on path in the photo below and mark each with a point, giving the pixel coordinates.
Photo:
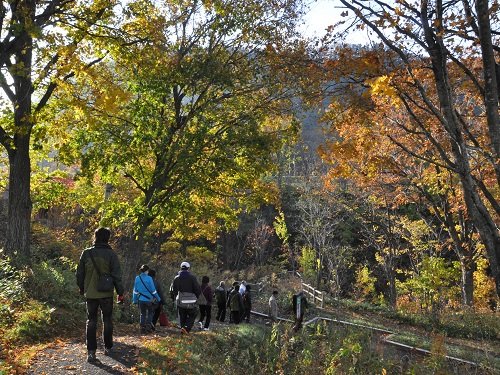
(71, 358)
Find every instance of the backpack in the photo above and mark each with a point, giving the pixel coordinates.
(202, 300)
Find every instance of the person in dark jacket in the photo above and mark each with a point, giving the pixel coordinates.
(247, 304)
(185, 290)
(87, 277)
(147, 297)
(235, 304)
(157, 309)
(206, 310)
(299, 304)
(221, 299)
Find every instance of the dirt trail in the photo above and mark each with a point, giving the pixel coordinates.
(70, 357)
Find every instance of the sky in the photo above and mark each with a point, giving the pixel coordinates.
(324, 13)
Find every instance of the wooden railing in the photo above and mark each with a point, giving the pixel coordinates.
(314, 293)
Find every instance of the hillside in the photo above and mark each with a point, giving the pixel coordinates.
(340, 347)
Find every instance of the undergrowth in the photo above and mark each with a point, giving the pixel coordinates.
(37, 304)
(262, 350)
(465, 324)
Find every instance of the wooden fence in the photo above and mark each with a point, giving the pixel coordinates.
(314, 293)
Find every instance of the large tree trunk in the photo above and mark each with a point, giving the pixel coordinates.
(19, 205)
(132, 257)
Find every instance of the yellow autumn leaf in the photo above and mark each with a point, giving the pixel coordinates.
(381, 86)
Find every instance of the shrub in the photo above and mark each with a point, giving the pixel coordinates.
(364, 288)
(32, 324)
(53, 281)
(11, 281)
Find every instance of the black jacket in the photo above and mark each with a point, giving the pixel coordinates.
(185, 281)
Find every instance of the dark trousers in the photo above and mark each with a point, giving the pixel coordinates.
(235, 317)
(246, 314)
(205, 311)
(298, 322)
(221, 312)
(187, 317)
(156, 314)
(146, 309)
(93, 305)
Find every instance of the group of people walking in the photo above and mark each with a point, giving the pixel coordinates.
(98, 275)
(188, 295)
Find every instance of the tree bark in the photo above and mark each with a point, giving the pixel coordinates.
(393, 294)
(491, 90)
(19, 207)
(17, 242)
(132, 258)
(467, 284)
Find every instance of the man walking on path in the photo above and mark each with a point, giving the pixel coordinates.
(185, 290)
(221, 298)
(273, 306)
(100, 259)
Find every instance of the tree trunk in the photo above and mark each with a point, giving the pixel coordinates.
(491, 90)
(467, 284)
(392, 288)
(132, 258)
(18, 235)
(475, 206)
(484, 224)
(17, 242)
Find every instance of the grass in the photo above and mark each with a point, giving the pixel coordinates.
(466, 324)
(257, 349)
(483, 357)
(40, 304)
(229, 350)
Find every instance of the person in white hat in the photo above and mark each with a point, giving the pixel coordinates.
(185, 290)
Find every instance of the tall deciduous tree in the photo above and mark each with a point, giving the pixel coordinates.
(456, 38)
(38, 44)
(188, 111)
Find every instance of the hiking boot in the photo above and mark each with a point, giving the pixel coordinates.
(206, 329)
(200, 324)
(107, 351)
(91, 357)
(184, 331)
